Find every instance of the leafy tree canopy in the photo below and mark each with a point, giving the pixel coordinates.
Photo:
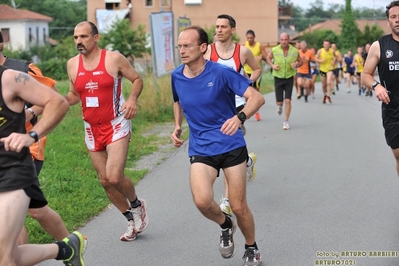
(66, 14)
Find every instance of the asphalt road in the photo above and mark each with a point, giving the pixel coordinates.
(326, 189)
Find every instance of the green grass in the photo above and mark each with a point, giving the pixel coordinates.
(68, 178)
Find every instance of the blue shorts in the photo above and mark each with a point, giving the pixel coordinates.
(315, 71)
(305, 76)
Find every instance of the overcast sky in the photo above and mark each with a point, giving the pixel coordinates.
(355, 3)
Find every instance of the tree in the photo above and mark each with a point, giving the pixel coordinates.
(370, 34)
(66, 14)
(124, 39)
(349, 28)
(316, 38)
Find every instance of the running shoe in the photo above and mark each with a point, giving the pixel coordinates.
(333, 92)
(85, 242)
(130, 233)
(251, 171)
(325, 98)
(298, 96)
(225, 206)
(306, 98)
(286, 126)
(337, 87)
(76, 242)
(279, 110)
(252, 257)
(226, 243)
(371, 93)
(328, 100)
(140, 217)
(257, 117)
(349, 91)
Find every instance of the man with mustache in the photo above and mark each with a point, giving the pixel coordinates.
(95, 77)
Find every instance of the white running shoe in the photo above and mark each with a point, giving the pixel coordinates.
(140, 217)
(226, 244)
(286, 126)
(279, 110)
(251, 171)
(225, 206)
(130, 233)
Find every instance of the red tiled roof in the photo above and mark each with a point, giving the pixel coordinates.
(9, 13)
(335, 25)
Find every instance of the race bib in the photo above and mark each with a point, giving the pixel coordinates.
(92, 102)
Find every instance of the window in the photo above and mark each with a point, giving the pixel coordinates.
(6, 34)
(30, 35)
(112, 4)
(37, 35)
(193, 2)
(165, 3)
(148, 3)
(44, 35)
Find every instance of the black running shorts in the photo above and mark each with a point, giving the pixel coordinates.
(283, 88)
(225, 160)
(37, 198)
(391, 126)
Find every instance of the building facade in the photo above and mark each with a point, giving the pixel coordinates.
(261, 16)
(22, 29)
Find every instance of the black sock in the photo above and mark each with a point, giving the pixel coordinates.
(128, 214)
(251, 246)
(64, 251)
(135, 203)
(227, 223)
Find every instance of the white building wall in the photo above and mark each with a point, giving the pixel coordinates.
(19, 34)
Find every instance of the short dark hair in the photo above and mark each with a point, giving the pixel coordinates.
(232, 21)
(327, 40)
(250, 32)
(93, 27)
(1, 37)
(388, 7)
(202, 35)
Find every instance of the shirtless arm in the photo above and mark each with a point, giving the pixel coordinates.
(269, 59)
(254, 101)
(178, 115)
(317, 57)
(247, 57)
(127, 71)
(367, 76)
(72, 96)
(263, 52)
(15, 93)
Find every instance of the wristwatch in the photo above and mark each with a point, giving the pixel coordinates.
(242, 116)
(34, 135)
(375, 84)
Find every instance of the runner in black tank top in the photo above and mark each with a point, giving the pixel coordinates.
(18, 180)
(384, 54)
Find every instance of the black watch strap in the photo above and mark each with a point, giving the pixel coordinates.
(34, 135)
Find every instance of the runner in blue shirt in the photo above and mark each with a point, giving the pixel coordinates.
(204, 92)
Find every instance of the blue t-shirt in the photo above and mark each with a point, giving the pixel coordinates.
(208, 100)
(348, 62)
